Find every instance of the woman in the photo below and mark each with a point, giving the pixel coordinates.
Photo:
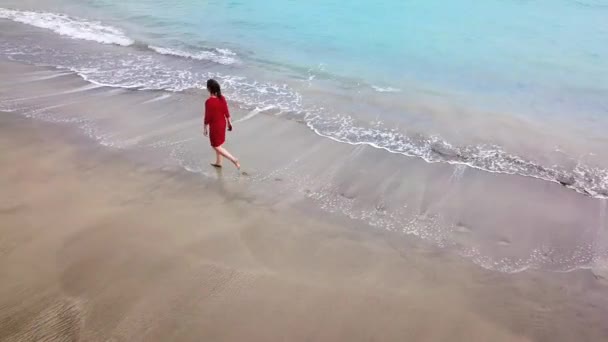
(216, 117)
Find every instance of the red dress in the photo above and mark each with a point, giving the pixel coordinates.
(216, 114)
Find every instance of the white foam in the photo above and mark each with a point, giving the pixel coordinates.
(386, 89)
(64, 25)
(158, 98)
(221, 56)
(51, 76)
(591, 181)
(85, 87)
(226, 52)
(253, 113)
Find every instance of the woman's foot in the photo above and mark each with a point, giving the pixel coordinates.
(216, 165)
(237, 164)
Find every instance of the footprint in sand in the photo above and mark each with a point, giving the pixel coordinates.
(504, 242)
(461, 228)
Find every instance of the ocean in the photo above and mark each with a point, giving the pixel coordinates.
(507, 87)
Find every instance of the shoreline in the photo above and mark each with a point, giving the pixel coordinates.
(102, 247)
(483, 138)
(479, 215)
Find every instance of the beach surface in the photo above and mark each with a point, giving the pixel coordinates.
(98, 247)
(411, 178)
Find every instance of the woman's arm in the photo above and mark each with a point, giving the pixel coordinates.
(228, 120)
(206, 120)
(229, 123)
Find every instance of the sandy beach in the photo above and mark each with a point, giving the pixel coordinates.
(412, 171)
(98, 247)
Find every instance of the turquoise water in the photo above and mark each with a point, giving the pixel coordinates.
(496, 48)
(469, 43)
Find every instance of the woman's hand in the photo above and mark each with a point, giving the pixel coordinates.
(205, 131)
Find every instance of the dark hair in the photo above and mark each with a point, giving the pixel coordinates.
(214, 88)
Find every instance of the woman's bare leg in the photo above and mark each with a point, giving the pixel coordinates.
(218, 159)
(222, 151)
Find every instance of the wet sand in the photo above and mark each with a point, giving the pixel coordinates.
(98, 247)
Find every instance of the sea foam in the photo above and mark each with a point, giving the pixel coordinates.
(72, 27)
(221, 56)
